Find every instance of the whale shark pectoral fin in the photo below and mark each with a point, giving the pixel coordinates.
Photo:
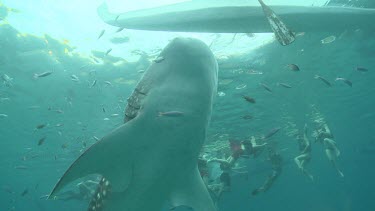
(192, 192)
(111, 157)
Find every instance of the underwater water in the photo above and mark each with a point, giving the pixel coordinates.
(63, 89)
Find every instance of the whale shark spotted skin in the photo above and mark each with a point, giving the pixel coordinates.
(151, 160)
(239, 17)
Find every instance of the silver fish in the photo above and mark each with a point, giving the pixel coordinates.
(171, 114)
(41, 75)
(108, 51)
(323, 79)
(101, 34)
(120, 29)
(284, 85)
(265, 87)
(94, 83)
(349, 83)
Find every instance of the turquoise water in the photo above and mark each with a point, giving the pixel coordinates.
(75, 110)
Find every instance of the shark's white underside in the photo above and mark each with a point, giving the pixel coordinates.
(151, 159)
(233, 17)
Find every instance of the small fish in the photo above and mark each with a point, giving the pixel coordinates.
(248, 99)
(108, 83)
(141, 71)
(349, 83)
(74, 78)
(106, 119)
(41, 75)
(3, 116)
(21, 167)
(117, 17)
(247, 117)
(103, 110)
(272, 132)
(33, 107)
(41, 126)
(96, 138)
(159, 59)
(120, 29)
(115, 115)
(59, 111)
(59, 125)
(25, 192)
(108, 51)
(171, 114)
(284, 85)
(41, 141)
(293, 67)
(323, 79)
(64, 146)
(93, 83)
(328, 39)
(265, 87)
(101, 34)
(362, 69)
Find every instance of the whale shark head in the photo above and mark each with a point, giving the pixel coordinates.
(151, 159)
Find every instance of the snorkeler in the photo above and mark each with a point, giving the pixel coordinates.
(332, 153)
(325, 136)
(85, 191)
(305, 156)
(276, 162)
(252, 147)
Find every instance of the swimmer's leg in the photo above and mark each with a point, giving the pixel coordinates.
(331, 154)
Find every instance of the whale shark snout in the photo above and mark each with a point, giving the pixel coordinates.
(151, 159)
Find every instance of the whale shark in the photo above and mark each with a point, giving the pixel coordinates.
(151, 159)
(239, 17)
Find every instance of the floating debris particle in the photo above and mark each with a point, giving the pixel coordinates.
(328, 39)
(64, 146)
(101, 34)
(241, 86)
(249, 99)
(171, 114)
(346, 81)
(293, 67)
(284, 85)
(323, 79)
(41, 141)
(159, 59)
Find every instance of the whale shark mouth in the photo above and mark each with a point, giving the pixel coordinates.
(151, 160)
